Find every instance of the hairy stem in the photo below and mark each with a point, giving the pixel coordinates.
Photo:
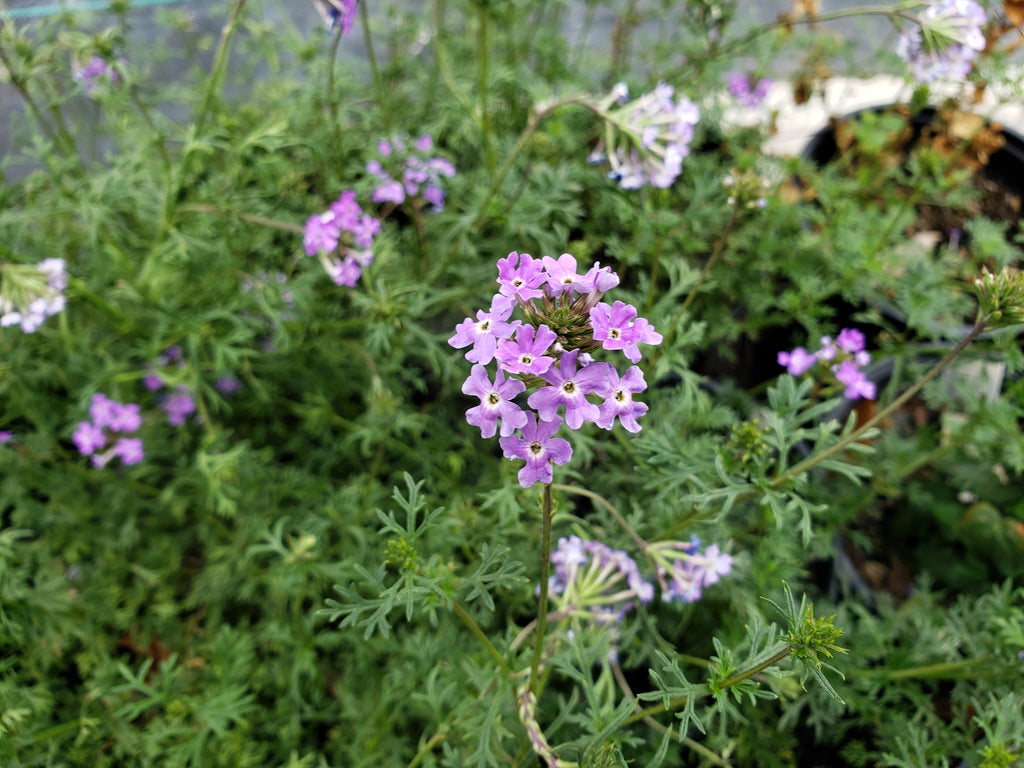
(542, 603)
(220, 65)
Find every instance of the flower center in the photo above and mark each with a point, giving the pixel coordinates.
(536, 449)
(620, 395)
(493, 398)
(569, 387)
(614, 333)
(526, 359)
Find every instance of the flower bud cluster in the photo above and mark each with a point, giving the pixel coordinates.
(30, 294)
(565, 321)
(646, 140)
(409, 172)
(946, 40)
(109, 421)
(1001, 298)
(344, 231)
(844, 358)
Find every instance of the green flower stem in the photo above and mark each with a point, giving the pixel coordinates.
(962, 669)
(159, 139)
(332, 59)
(287, 226)
(542, 604)
(883, 414)
(443, 65)
(729, 682)
(603, 502)
(483, 53)
(220, 64)
(478, 633)
(371, 56)
(59, 137)
(697, 747)
(899, 12)
(543, 111)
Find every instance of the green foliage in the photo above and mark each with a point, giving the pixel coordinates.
(324, 565)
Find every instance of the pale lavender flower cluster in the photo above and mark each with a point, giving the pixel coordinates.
(598, 582)
(749, 91)
(844, 357)
(683, 571)
(31, 293)
(593, 580)
(344, 231)
(96, 71)
(109, 421)
(946, 40)
(647, 139)
(565, 322)
(411, 172)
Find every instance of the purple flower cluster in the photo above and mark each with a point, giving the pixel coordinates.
(683, 571)
(31, 293)
(565, 322)
(108, 420)
(647, 139)
(946, 40)
(179, 402)
(342, 230)
(96, 71)
(844, 357)
(412, 172)
(749, 91)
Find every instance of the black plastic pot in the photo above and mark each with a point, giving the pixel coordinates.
(1004, 170)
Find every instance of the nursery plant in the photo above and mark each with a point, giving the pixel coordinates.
(462, 383)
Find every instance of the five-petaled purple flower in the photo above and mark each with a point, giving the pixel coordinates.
(539, 448)
(570, 387)
(495, 402)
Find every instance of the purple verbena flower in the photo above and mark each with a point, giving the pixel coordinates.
(527, 354)
(520, 276)
(797, 362)
(570, 388)
(88, 438)
(539, 448)
(495, 402)
(619, 401)
(129, 450)
(749, 92)
(484, 332)
(179, 406)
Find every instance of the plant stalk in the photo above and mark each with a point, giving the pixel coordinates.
(542, 603)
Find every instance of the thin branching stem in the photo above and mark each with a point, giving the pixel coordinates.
(220, 65)
(878, 418)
